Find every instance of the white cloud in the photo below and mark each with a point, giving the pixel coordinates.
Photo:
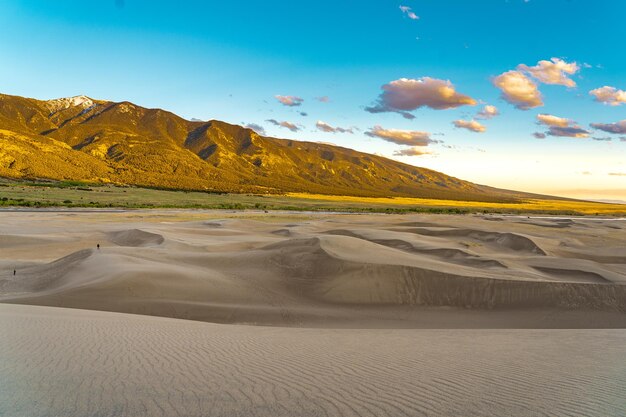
(568, 131)
(560, 126)
(488, 112)
(407, 11)
(257, 128)
(401, 137)
(518, 90)
(617, 128)
(472, 125)
(609, 95)
(555, 71)
(287, 125)
(405, 94)
(550, 120)
(290, 101)
(414, 151)
(325, 127)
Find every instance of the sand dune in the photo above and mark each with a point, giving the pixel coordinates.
(365, 315)
(135, 238)
(321, 270)
(324, 270)
(77, 363)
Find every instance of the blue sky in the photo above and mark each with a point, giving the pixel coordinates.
(229, 60)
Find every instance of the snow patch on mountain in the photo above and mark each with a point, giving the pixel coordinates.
(67, 102)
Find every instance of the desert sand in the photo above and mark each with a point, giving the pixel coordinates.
(310, 314)
(62, 362)
(321, 270)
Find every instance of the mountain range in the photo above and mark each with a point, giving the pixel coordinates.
(80, 138)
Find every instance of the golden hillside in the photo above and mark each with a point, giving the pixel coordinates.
(89, 140)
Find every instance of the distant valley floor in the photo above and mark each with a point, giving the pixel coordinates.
(74, 194)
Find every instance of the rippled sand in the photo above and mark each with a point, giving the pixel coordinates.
(61, 362)
(363, 315)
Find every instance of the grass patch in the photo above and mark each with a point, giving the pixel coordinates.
(77, 194)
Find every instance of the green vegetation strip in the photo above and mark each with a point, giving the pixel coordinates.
(73, 194)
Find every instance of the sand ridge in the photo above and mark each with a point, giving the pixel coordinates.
(321, 270)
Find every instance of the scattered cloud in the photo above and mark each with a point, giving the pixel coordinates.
(414, 151)
(323, 99)
(602, 139)
(618, 174)
(257, 128)
(325, 127)
(622, 139)
(401, 137)
(406, 94)
(555, 71)
(568, 131)
(407, 11)
(550, 120)
(290, 101)
(586, 173)
(560, 126)
(518, 90)
(488, 112)
(304, 114)
(539, 135)
(609, 95)
(287, 125)
(472, 125)
(617, 128)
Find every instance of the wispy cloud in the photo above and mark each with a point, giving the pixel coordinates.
(602, 139)
(609, 95)
(618, 174)
(617, 128)
(539, 135)
(405, 94)
(555, 71)
(550, 120)
(488, 112)
(290, 101)
(287, 125)
(409, 13)
(560, 126)
(414, 151)
(568, 131)
(401, 137)
(323, 99)
(518, 90)
(257, 128)
(325, 127)
(472, 125)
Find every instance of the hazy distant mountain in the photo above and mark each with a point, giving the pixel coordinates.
(80, 138)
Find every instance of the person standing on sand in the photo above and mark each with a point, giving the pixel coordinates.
(98, 246)
(14, 272)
